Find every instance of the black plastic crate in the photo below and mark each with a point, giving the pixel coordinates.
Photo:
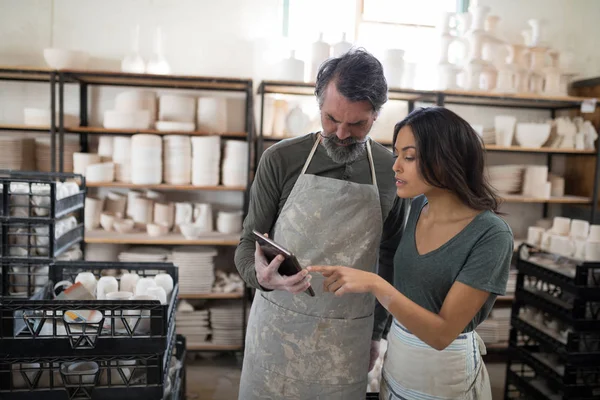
(31, 328)
(37, 196)
(570, 380)
(577, 349)
(23, 278)
(580, 313)
(178, 378)
(112, 377)
(579, 278)
(23, 239)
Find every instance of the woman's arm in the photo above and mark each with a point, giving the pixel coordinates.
(437, 330)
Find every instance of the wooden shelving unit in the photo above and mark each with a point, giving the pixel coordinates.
(24, 128)
(96, 130)
(172, 239)
(165, 186)
(553, 200)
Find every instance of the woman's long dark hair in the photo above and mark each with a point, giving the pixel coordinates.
(451, 155)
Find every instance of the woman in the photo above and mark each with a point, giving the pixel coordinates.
(452, 262)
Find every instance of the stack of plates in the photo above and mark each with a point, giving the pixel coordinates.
(235, 163)
(177, 159)
(496, 328)
(193, 325)
(121, 157)
(511, 285)
(488, 330)
(146, 159)
(42, 153)
(144, 254)
(206, 158)
(196, 268)
(506, 178)
(227, 321)
(17, 153)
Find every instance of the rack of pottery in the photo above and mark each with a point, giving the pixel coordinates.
(151, 212)
(528, 180)
(96, 327)
(34, 154)
(146, 159)
(40, 218)
(490, 62)
(220, 324)
(555, 323)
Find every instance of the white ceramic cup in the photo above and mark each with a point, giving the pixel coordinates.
(80, 372)
(143, 326)
(580, 229)
(545, 243)
(106, 284)
(159, 293)
(534, 235)
(142, 286)
(117, 320)
(562, 245)
(88, 280)
(594, 235)
(561, 226)
(579, 249)
(592, 251)
(129, 282)
(62, 284)
(119, 295)
(164, 281)
(203, 217)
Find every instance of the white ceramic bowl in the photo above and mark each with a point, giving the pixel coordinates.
(123, 225)
(532, 135)
(104, 172)
(107, 220)
(177, 108)
(157, 230)
(65, 59)
(190, 231)
(82, 160)
(114, 119)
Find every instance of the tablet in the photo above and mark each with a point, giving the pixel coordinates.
(290, 266)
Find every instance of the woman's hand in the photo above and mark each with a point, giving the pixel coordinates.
(341, 280)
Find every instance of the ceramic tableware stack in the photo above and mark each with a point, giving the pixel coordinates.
(43, 153)
(146, 159)
(226, 320)
(235, 163)
(196, 268)
(206, 158)
(177, 160)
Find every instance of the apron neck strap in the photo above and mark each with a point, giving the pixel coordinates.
(369, 154)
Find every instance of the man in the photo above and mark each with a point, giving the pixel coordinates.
(330, 198)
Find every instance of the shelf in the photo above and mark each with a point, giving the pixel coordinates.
(24, 128)
(214, 239)
(104, 131)
(165, 186)
(212, 347)
(211, 296)
(519, 100)
(543, 150)
(510, 198)
(110, 78)
(25, 74)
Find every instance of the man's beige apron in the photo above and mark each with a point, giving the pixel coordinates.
(414, 370)
(302, 347)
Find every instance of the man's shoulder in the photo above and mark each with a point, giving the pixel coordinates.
(287, 148)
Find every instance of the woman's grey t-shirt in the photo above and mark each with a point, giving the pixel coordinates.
(479, 256)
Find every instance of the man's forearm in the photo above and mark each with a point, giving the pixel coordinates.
(244, 262)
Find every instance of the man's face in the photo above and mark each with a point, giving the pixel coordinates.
(346, 125)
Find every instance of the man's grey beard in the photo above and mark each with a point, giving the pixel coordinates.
(343, 154)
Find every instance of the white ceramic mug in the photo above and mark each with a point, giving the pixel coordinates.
(184, 213)
(561, 226)
(159, 293)
(562, 245)
(117, 320)
(164, 281)
(106, 284)
(580, 229)
(143, 325)
(534, 235)
(203, 217)
(592, 251)
(594, 234)
(129, 282)
(142, 286)
(116, 203)
(88, 280)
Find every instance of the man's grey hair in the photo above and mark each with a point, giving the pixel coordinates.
(358, 76)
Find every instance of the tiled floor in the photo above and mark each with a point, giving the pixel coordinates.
(219, 378)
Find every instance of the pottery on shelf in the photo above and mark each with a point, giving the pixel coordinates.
(536, 31)
(292, 69)
(320, 51)
(393, 67)
(341, 47)
(158, 64)
(134, 62)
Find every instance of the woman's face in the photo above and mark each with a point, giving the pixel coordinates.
(409, 182)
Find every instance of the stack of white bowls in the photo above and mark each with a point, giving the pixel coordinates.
(133, 110)
(146, 159)
(206, 158)
(212, 114)
(229, 222)
(177, 159)
(177, 108)
(235, 163)
(121, 157)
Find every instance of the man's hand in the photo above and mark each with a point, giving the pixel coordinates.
(374, 354)
(269, 277)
